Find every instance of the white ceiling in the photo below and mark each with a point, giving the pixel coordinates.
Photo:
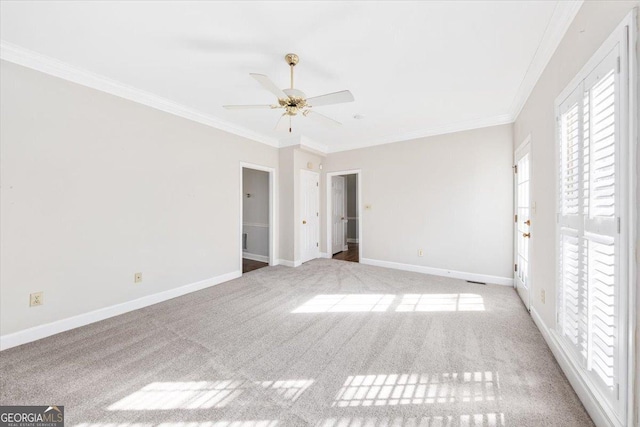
(415, 68)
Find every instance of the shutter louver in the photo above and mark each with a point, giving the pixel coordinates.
(573, 299)
(570, 162)
(603, 130)
(600, 225)
(569, 275)
(602, 314)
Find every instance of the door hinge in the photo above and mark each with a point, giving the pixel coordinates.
(317, 244)
(515, 218)
(617, 391)
(317, 214)
(317, 184)
(618, 65)
(515, 267)
(618, 225)
(515, 168)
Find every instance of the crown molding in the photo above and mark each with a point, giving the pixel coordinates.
(34, 60)
(304, 142)
(502, 119)
(314, 146)
(290, 140)
(562, 17)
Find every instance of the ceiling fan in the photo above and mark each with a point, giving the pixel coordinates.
(294, 101)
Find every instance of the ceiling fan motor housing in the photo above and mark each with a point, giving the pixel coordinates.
(295, 102)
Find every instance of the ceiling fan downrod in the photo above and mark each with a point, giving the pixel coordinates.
(292, 59)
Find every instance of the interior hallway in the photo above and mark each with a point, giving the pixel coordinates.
(352, 254)
(251, 265)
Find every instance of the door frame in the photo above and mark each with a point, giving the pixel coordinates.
(344, 246)
(272, 211)
(301, 258)
(329, 176)
(524, 146)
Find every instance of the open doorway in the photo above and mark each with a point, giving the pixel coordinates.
(256, 223)
(343, 216)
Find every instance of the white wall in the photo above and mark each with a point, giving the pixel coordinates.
(255, 211)
(450, 195)
(285, 185)
(595, 21)
(96, 188)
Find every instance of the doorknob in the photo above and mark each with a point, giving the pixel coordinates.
(304, 222)
(528, 222)
(342, 218)
(526, 234)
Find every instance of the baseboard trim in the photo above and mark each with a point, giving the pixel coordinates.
(352, 240)
(288, 263)
(597, 412)
(255, 257)
(494, 280)
(325, 255)
(42, 331)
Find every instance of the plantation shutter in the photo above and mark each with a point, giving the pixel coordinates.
(588, 224)
(573, 298)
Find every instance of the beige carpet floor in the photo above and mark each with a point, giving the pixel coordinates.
(330, 343)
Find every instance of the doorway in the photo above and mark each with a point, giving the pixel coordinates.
(256, 223)
(343, 216)
(522, 222)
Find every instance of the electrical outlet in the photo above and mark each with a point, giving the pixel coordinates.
(35, 299)
(137, 278)
(542, 296)
(420, 252)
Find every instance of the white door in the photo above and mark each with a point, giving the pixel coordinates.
(338, 225)
(522, 220)
(309, 215)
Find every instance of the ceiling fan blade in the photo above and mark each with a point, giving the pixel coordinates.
(269, 85)
(284, 123)
(331, 98)
(246, 107)
(321, 118)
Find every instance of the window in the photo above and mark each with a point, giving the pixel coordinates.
(591, 271)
